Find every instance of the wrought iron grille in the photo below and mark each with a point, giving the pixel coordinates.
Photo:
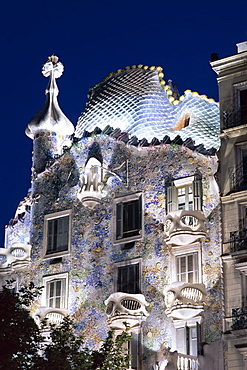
(238, 240)
(235, 117)
(238, 179)
(239, 318)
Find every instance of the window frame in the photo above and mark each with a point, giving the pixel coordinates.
(186, 328)
(185, 251)
(172, 195)
(239, 164)
(50, 217)
(125, 200)
(46, 280)
(127, 263)
(180, 274)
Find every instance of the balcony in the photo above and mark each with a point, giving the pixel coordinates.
(17, 257)
(187, 362)
(183, 227)
(238, 178)
(239, 318)
(235, 117)
(126, 307)
(185, 300)
(238, 240)
(51, 316)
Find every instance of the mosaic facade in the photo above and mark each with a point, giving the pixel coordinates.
(126, 229)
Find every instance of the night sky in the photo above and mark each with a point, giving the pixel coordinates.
(93, 39)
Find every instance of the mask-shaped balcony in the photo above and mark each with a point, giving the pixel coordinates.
(53, 316)
(185, 300)
(183, 227)
(17, 256)
(126, 307)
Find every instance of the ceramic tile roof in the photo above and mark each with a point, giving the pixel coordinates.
(138, 101)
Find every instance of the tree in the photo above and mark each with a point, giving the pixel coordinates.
(20, 337)
(22, 345)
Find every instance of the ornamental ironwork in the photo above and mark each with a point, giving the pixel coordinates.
(238, 240)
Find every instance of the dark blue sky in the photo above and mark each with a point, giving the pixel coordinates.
(93, 39)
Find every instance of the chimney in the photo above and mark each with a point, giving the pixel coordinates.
(242, 46)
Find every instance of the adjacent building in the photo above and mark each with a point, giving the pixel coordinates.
(122, 221)
(232, 80)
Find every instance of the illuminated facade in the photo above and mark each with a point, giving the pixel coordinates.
(122, 221)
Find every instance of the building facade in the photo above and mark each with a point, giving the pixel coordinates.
(232, 80)
(122, 220)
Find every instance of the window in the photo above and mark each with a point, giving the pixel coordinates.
(188, 340)
(185, 193)
(238, 173)
(128, 218)
(57, 233)
(187, 268)
(185, 197)
(127, 276)
(55, 293)
(244, 162)
(243, 106)
(128, 279)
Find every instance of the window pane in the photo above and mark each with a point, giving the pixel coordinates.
(193, 341)
(128, 279)
(56, 293)
(183, 264)
(243, 106)
(187, 268)
(58, 234)
(128, 218)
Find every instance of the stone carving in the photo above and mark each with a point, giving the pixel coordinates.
(126, 307)
(185, 300)
(183, 227)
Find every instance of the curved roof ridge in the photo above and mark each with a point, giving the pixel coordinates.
(138, 100)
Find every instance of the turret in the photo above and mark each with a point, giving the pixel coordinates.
(50, 129)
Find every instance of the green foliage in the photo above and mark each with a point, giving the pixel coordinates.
(114, 353)
(19, 335)
(22, 345)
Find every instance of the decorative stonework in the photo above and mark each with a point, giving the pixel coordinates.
(183, 227)
(126, 307)
(185, 300)
(17, 256)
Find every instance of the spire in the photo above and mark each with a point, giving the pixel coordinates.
(50, 117)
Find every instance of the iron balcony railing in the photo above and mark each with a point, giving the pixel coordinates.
(235, 117)
(238, 240)
(239, 318)
(238, 178)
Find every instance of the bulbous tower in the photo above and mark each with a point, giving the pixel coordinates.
(50, 129)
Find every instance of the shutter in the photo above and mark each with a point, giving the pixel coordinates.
(134, 280)
(50, 236)
(140, 214)
(197, 195)
(199, 339)
(180, 334)
(171, 198)
(63, 233)
(134, 350)
(119, 221)
(187, 340)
